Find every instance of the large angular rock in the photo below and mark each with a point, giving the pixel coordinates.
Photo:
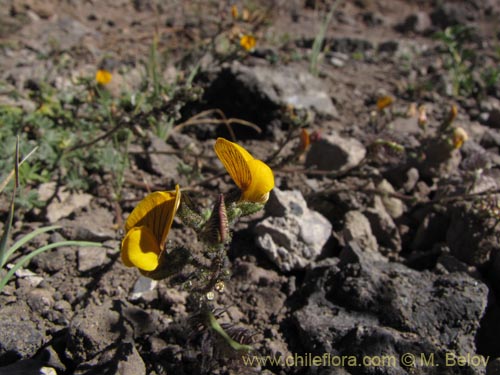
(293, 235)
(383, 227)
(94, 329)
(365, 306)
(357, 228)
(335, 153)
(257, 91)
(21, 334)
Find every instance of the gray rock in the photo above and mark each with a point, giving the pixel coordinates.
(96, 224)
(412, 178)
(90, 258)
(367, 306)
(419, 22)
(40, 300)
(94, 329)
(383, 227)
(163, 160)
(467, 238)
(27, 367)
(144, 287)
(335, 153)
(20, 334)
(65, 203)
(266, 87)
(296, 235)
(357, 228)
(123, 358)
(394, 206)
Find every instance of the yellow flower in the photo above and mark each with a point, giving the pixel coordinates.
(253, 177)
(248, 42)
(147, 228)
(459, 137)
(234, 12)
(384, 102)
(422, 117)
(103, 77)
(305, 140)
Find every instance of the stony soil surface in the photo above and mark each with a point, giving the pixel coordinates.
(363, 251)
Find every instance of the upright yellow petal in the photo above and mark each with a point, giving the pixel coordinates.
(156, 211)
(140, 249)
(234, 158)
(262, 182)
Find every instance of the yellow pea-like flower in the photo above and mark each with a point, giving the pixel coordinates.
(103, 77)
(459, 137)
(253, 177)
(248, 42)
(147, 228)
(384, 102)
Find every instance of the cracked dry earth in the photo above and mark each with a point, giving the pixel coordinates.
(364, 255)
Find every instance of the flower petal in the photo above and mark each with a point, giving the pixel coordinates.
(140, 249)
(156, 211)
(234, 158)
(262, 182)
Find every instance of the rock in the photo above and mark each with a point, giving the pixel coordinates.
(383, 227)
(394, 206)
(55, 260)
(144, 287)
(29, 278)
(357, 228)
(163, 160)
(96, 224)
(64, 204)
(94, 329)
(64, 31)
(335, 153)
(338, 59)
(40, 300)
(419, 23)
(440, 159)
(349, 45)
(90, 258)
(432, 229)
(452, 13)
(122, 358)
(365, 306)
(27, 367)
(295, 236)
(20, 334)
(258, 91)
(412, 178)
(493, 120)
(467, 238)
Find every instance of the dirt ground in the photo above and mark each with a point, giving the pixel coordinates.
(380, 241)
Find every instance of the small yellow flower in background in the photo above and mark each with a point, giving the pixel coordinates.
(412, 110)
(453, 113)
(147, 228)
(305, 140)
(246, 15)
(253, 177)
(422, 117)
(459, 137)
(384, 102)
(248, 42)
(103, 77)
(234, 12)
